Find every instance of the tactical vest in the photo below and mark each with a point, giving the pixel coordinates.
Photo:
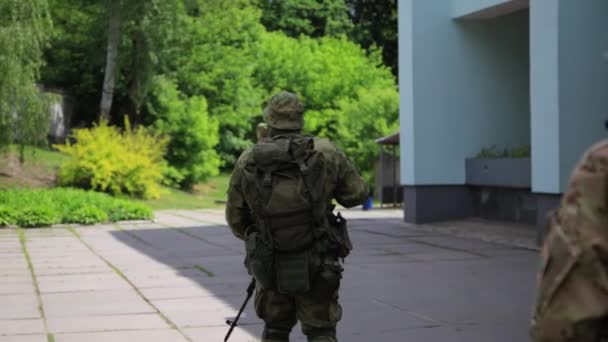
(285, 187)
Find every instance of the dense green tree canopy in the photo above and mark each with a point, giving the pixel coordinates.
(199, 71)
(349, 97)
(315, 18)
(375, 23)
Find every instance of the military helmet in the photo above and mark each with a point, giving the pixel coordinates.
(284, 111)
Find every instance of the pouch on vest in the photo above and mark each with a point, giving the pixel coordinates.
(293, 272)
(259, 260)
(339, 235)
(327, 280)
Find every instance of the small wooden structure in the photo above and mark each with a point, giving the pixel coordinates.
(389, 142)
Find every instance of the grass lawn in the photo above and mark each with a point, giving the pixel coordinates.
(41, 166)
(38, 170)
(45, 157)
(205, 195)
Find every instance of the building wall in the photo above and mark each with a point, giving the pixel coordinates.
(406, 88)
(583, 79)
(544, 91)
(569, 78)
(469, 89)
(461, 8)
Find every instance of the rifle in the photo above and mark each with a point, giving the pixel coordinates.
(233, 323)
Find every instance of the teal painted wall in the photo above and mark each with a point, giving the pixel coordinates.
(544, 90)
(465, 7)
(470, 89)
(406, 88)
(569, 78)
(583, 79)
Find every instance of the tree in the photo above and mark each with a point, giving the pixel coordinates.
(375, 23)
(193, 134)
(315, 18)
(348, 95)
(111, 61)
(150, 35)
(73, 59)
(216, 60)
(23, 35)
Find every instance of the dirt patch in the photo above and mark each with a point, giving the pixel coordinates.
(29, 174)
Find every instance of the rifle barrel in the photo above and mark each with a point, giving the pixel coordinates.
(233, 324)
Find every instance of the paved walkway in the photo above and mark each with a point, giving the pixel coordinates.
(179, 278)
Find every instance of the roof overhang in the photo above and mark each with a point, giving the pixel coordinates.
(392, 139)
(486, 9)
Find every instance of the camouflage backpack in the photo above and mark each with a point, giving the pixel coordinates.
(285, 183)
(572, 299)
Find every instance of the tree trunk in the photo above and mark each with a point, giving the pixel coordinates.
(111, 61)
(137, 83)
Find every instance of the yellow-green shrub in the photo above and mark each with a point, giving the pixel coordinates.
(107, 159)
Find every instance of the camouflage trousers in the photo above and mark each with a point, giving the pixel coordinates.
(318, 312)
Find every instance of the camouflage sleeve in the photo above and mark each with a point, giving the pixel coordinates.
(238, 214)
(572, 296)
(351, 189)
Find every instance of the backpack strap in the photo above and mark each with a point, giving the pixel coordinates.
(312, 191)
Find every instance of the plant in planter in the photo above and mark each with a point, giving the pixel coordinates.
(522, 151)
(500, 168)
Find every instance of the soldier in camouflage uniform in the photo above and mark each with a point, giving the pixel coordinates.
(572, 300)
(302, 279)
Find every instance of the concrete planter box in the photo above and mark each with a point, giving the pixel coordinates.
(500, 172)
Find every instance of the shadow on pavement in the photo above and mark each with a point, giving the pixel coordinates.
(399, 283)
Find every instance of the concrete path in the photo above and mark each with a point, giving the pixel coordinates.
(181, 277)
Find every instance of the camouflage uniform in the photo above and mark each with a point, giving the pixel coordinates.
(317, 310)
(572, 302)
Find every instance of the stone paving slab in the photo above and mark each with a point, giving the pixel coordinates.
(21, 326)
(19, 306)
(82, 282)
(106, 323)
(218, 333)
(123, 336)
(401, 283)
(24, 338)
(193, 291)
(94, 303)
(15, 277)
(167, 219)
(8, 290)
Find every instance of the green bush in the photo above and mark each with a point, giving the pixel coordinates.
(522, 151)
(40, 216)
(86, 215)
(193, 134)
(7, 216)
(29, 208)
(124, 210)
(106, 159)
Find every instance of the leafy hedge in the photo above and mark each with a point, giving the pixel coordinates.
(106, 159)
(44, 207)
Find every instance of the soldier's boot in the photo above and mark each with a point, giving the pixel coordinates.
(321, 335)
(275, 335)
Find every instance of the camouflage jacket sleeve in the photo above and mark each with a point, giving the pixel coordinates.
(351, 190)
(238, 213)
(572, 296)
